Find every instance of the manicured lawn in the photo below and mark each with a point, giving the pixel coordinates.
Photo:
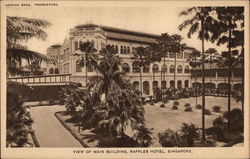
(163, 118)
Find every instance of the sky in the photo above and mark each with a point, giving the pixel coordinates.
(154, 20)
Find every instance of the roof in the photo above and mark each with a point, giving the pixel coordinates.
(123, 34)
(130, 38)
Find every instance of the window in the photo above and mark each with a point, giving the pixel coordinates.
(116, 48)
(128, 49)
(186, 84)
(172, 84)
(80, 44)
(155, 68)
(78, 67)
(76, 45)
(179, 69)
(136, 68)
(146, 87)
(121, 48)
(171, 70)
(186, 70)
(136, 85)
(125, 67)
(146, 68)
(125, 50)
(164, 68)
(163, 84)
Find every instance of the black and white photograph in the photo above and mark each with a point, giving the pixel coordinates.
(128, 75)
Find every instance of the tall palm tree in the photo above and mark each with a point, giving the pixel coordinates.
(176, 47)
(89, 59)
(21, 29)
(211, 57)
(229, 19)
(194, 62)
(154, 56)
(141, 58)
(164, 42)
(200, 22)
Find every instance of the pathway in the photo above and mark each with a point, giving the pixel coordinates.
(48, 130)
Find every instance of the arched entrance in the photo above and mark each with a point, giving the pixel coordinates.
(136, 85)
(186, 84)
(146, 87)
(179, 84)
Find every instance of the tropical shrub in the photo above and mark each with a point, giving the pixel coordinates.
(198, 106)
(176, 103)
(174, 107)
(219, 122)
(18, 118)
(152, 103)
(188, 109)
(162, 105)
(143, 136)
(169, 138)
(207, 112)
(187, 105)
(189, 133)
(216, 108)
(237, 119)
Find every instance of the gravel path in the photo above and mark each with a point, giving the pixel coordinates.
(48, 130)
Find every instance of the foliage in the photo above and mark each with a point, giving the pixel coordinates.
(143, 136)
(162, 105)
(187, 105)
(18, 118)
(174, 107)
(219, 122)
(188, 109)
(198, 106)
(217, 108)
(176, 103)
(20, 29)
(169, 138)
(207, 112)
(189, 132)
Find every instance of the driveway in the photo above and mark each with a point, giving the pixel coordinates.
(48, 130)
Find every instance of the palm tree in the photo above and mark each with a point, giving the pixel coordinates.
(164, 43)
(211, 57)
(89, 59)
(121, 105)
(154, 56)
(194, 62)
(176, 47)
(229, 19)
(22, 29)
(18, 118)
(141, 58)
(200, 22)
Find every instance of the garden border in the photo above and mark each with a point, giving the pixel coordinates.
(34, 138)
(71, 132)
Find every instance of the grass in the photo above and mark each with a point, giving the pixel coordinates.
(160, 119)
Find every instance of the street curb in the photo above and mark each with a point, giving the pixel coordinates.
(71, 132)
(34, 138)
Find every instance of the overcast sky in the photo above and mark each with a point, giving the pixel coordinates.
(155, 20)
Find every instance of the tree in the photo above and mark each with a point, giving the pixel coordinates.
(212, 56)
(20, 29)
(141, 59)
(89, 59)
(200, 22)
(121, 105)
(154, 56)
(194, 62)
(229, 20)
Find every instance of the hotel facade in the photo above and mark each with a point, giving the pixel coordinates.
(124, 42)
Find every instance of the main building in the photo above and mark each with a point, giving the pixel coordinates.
(124, 42)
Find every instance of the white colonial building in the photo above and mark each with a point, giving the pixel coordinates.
(124, 41)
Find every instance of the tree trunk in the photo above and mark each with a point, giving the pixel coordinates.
(195, 81)
(153, 81)
(242, 81)
(164, 79)
(174, 75)
(203, 84)
(229, 78)
(86, 69)
(141, 83)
